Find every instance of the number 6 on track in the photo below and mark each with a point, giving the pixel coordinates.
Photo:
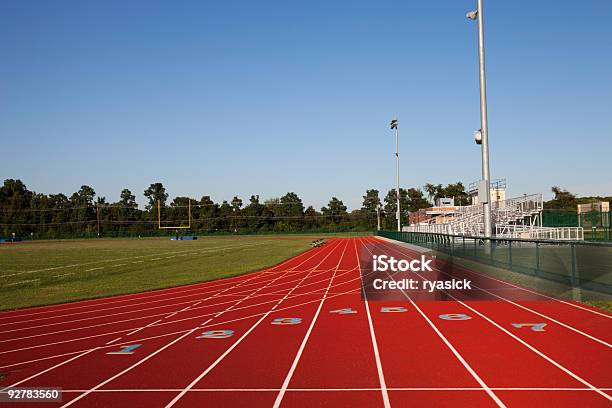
(287, 320)
(538, 327)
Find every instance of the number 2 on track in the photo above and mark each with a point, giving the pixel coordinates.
(216, 334)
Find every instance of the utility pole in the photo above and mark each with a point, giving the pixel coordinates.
(397, 187)
(484, 126)
(98, 217)
(378, 216)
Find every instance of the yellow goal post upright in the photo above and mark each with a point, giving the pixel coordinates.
(188, 226)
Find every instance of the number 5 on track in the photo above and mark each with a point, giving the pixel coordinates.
(347, 310)
(287, 320)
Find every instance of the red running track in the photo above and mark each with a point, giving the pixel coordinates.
(300, 334)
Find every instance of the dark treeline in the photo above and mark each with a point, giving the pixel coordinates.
(28, 214)
(564, 200)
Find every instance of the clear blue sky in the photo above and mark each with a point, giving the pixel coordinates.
(225, 97)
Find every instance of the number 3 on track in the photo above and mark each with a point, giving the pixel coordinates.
(287, 320)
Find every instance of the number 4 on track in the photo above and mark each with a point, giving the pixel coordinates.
(347, 310)
(126, 349)
(539, 327)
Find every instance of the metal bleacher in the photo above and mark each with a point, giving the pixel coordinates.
(518, 217)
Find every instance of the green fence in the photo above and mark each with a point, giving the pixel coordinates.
(597, 225)
(576, 264)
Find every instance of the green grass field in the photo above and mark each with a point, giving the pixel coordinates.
(47, 272)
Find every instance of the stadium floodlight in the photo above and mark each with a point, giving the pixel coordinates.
(484, 127)
(478, 137)
(393, 126)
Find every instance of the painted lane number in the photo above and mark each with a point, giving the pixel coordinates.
(216, 334)
(347, 310)
(538, 327)
(126, 349)
(287, 320)
(454, 316)
(393, 309)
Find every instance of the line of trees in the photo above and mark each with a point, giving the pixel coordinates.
(26, 213)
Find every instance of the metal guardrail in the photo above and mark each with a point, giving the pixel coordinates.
(577, 264)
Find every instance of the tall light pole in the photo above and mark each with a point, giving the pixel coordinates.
(484, 128)
(394, 126)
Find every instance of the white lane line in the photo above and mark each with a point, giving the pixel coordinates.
(164, 347)
(538, 352)
(120, 313)
(158, 336)
(118, 265)
(606, 315)
(296, 360)
(456, 353)
(169, 322)
(192, 305)
(94, 269)
(519, 305)
(459, 357)
(132, 366)
(340, 389)
(529, 346)
(137, 262)
(90, 303)
(172, 333)
(129, 368)
(112, 341)
(233, 346)
(50, 368)
(381, 376)
(242, 283)
(141, 328)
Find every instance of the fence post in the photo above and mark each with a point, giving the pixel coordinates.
(510, 254)
(537, 270)
(576, 293)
